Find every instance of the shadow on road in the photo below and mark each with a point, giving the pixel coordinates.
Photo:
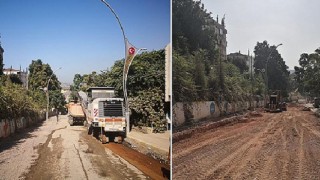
(165, 172)
(19, 137)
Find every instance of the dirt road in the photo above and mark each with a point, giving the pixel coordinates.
(56, 150)
(275, 146)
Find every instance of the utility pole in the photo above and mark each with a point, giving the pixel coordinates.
(251, 68)
(130, 53)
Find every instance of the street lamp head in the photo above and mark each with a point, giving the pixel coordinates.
(143, 49)
(279, 45)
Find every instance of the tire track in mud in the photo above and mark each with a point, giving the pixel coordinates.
(206, 139)
(276, 146)
(245, 167)
(226, 150)
(236, 158)
(311, 154)
(301, 156)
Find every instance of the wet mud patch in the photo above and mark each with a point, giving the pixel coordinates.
(106, 163)
(46, 166)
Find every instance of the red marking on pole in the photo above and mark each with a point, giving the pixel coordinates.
(132, 50)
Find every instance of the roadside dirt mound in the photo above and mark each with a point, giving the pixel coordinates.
(294, 105)
(254, 114)
(178, 136)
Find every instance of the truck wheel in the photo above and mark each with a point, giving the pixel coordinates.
(85, 123)
(71, 122)
(96, 132)
(120, 139)
(104, 139)
(90, 129)
(116, 140)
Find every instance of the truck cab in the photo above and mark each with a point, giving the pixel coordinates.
(107, 119)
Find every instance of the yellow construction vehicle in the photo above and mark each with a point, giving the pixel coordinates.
(275, 103)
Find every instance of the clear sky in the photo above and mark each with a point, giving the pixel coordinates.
(294, 23)
(80, 36)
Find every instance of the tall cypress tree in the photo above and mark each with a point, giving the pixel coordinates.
(1, 59)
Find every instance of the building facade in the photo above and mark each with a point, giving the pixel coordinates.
(220, 34)
(247, 58)
(22, 74)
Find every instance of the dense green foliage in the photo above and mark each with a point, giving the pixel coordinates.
(268, 59)
(240, 63)
(1, 60)
(77, 80)
(15, 79)
(308, 74)
(16, 101)
(145, 85)
(198, 73)
(39, 76)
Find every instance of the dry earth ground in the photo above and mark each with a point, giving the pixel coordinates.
(274, 146)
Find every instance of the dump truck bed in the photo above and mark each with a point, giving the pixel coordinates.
(75, 110)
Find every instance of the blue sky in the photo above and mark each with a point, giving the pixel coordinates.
(79, 36)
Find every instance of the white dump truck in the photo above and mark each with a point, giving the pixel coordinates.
(106, 117)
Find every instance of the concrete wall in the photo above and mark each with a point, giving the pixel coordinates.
(7, 126)
(196, 111)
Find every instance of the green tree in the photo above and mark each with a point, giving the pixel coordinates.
(193, 28)
(307, 75)
(268, 58)
(40, 74)
(240, 63)
(77, 80)
(1, 60)
(15, 79)
(16, 101)
(195, 40)
(183, 84)
(145, 85)
(57, 100)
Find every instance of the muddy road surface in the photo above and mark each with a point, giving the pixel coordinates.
(56, 150)
(274, 146)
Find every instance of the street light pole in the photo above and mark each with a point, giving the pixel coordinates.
(47, 93)
(129, 56)
(267, 79)
(127, 113)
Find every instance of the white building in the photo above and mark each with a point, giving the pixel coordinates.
(23, 75)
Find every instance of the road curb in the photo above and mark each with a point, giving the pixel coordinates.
(147, 149)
